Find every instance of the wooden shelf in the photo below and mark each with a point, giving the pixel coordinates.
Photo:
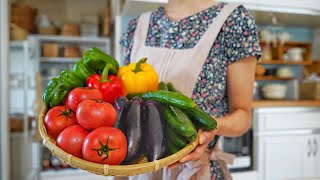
(285, 103)
(16, 44)
(272, 78)
(60, 59)
(280, 62)
(289, 43)
(72, 39)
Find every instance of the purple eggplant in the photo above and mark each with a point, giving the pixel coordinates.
(155, 132)
(121, 105)
(133, 130)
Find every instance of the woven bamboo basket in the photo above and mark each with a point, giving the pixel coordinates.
(105, 169)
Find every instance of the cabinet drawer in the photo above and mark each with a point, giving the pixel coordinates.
(288, 121)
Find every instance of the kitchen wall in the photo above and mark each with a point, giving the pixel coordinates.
(66, 11)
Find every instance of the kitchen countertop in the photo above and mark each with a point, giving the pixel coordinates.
(285, 103)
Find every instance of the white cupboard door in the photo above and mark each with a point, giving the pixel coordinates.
(309, 163)
(283, 157)
(317, 156)
(311, 166)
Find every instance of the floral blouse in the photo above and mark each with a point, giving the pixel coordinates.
(237, 39)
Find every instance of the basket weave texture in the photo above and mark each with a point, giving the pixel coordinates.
(105, 169)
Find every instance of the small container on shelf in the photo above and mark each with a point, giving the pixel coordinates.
(266, 53)
(50, 50)
(70, 30)
(23, 16)
(48, 30)
(309, 90)
(17, 33)
(89, 30)
(274, 91)
(71, 51)
(260, 70)
(288, 52)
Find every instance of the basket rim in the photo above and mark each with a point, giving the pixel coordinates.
(107, 169)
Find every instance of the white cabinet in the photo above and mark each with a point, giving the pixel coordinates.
(309, 7)
(288, 157)
(287, 143)
(312, 162)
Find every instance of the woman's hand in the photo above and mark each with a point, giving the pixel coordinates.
(204, 139)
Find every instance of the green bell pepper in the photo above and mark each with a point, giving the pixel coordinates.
(59, 93)
(82, 71)
(71, 78)
(47, 93)
(97, 60)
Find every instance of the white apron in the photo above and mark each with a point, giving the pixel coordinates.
(181, 67)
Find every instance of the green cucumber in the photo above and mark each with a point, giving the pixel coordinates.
(169, 98)
(192, 138)
(202, 119)
(162, 86)
(179, 121)
(172, 148)
(172, 88)
(176, 139)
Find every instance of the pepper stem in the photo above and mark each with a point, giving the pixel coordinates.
(138, 65)
(105, 72)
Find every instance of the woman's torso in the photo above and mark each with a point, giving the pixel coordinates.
(237, 39)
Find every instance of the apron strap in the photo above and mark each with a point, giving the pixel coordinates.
(207, 40)
(142, 28)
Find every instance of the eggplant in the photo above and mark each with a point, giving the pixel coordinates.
(120, 103)
(133, 130)
(121, 106)
(155, 131)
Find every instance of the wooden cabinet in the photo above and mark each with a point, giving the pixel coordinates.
(287, 143)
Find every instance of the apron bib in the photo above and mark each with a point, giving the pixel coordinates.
(181, 67)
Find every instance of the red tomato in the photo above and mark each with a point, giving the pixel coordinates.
(92, 114)
(57, 119)
(71, 139)
(79, 94)
(105, 145)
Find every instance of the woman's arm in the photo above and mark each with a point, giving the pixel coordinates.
(240, 78)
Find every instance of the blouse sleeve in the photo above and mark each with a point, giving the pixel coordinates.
(241, 36)
(127, 39)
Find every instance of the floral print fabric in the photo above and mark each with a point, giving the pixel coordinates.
(237, 39)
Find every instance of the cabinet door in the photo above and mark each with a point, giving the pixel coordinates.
(310, 157)
(281, 157)
(317, 157)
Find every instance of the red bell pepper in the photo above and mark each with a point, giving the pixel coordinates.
(110, 85)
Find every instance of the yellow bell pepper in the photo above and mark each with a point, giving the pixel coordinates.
(138, 77)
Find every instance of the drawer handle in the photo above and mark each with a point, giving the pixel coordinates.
(315, 142)
(309, 148)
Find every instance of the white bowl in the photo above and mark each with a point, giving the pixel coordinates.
(274, 91)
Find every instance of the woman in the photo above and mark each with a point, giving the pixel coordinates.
(209, 51)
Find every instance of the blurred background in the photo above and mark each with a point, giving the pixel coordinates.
(39, 38)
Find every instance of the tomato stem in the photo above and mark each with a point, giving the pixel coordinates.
(104, 149)
(66, 113)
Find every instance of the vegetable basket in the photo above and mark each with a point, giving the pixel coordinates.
(109, 170)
